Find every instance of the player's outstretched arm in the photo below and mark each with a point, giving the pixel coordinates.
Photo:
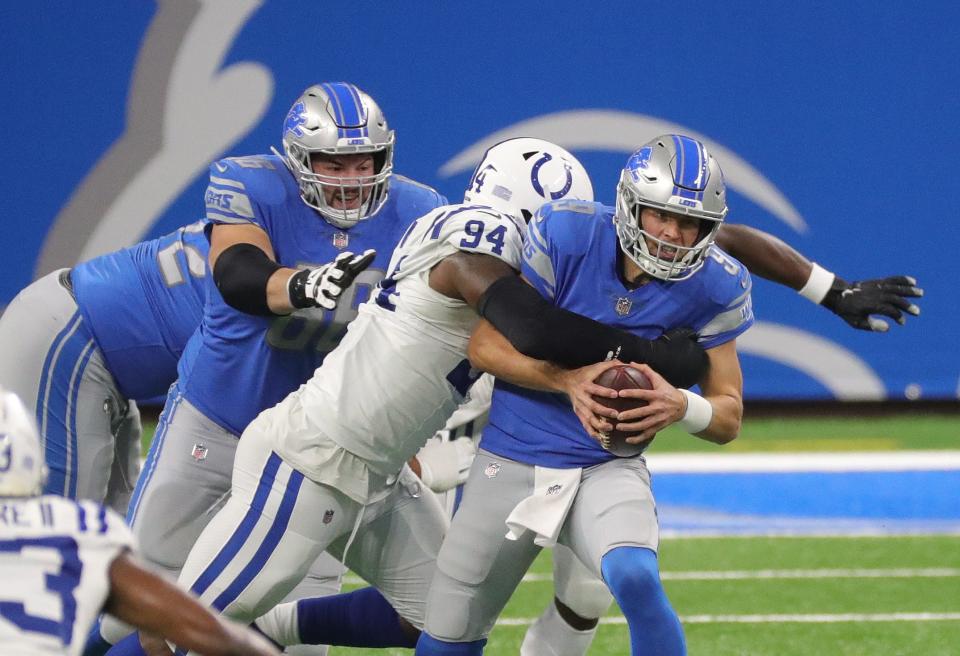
(250, 280)
(155, 605)
(490, 351)
(854, 302)
(542, 331)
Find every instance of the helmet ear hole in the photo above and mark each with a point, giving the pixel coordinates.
(379, 159)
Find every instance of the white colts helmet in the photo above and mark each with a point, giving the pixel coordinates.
(674, 174)
(337, 118)
(517, 176)
(22, 469)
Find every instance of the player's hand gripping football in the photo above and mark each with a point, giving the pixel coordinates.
(665, 405)
(855, 302)
(579, 386)
(322, 286)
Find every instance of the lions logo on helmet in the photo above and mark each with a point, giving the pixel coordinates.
(22, 470)
(337, 118)
(517, 176)
(674, 174)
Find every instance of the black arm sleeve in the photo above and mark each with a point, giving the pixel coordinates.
(241, 275)
(545, 332)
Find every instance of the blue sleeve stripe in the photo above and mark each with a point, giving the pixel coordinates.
(102, 519)
(81, 518)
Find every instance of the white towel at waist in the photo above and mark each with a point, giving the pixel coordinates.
(544, 511)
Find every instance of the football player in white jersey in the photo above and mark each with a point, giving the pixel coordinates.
(63, 561)
(325, 468)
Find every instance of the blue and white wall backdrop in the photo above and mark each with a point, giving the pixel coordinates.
(836, 126)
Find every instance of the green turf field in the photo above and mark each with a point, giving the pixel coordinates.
(908, 431)
(782, 596)
(881, 596)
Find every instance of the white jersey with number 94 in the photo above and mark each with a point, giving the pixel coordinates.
(401, 370)
(55, 556)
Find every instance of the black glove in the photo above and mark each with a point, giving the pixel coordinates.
(855, 302)
(322, 286)
(679, 358)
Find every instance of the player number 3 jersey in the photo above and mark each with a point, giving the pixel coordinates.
(55, 555)
(401, 370)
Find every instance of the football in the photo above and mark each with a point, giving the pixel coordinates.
(619, 378)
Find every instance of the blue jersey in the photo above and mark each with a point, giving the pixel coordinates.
(238, 364)
(570, 256)
(142, 304)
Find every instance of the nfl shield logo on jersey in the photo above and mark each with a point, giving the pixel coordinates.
(328, 517)
(492, 470)
(199, 452)
(623, 306)
(340, 240)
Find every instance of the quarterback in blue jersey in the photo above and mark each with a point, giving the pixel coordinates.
(81, 346)
(284, 286)
(542, 471)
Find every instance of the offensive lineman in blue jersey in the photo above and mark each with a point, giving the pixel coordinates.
(81, 346)
(542, 471)
(280, 229)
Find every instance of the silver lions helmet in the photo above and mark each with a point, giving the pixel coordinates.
(337, 118)
(22, 469)
(674, 174)
(517, 176)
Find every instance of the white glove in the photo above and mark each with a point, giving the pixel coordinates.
(444, 465)
(322, 286)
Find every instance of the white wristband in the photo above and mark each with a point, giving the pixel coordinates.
(698, 415)
(818, 284)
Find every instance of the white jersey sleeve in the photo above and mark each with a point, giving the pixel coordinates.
(55, 556)
(402, 369)
(471, 416)
(432, 238)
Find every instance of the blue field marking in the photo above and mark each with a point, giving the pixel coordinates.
(792, 502)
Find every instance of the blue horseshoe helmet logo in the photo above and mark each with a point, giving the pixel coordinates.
(535, 178)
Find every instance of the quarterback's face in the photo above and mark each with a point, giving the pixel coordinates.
(669, 228)
(342, 178)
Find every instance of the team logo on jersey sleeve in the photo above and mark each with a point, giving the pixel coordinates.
(623, 306)
(340, 240)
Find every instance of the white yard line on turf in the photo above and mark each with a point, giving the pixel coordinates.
(813, 618)
(865, 461)
(899, 573)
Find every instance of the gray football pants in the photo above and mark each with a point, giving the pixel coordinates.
(478, 568)
(90, 434)
(186, 480)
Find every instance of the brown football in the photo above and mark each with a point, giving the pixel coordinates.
(619, 378)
